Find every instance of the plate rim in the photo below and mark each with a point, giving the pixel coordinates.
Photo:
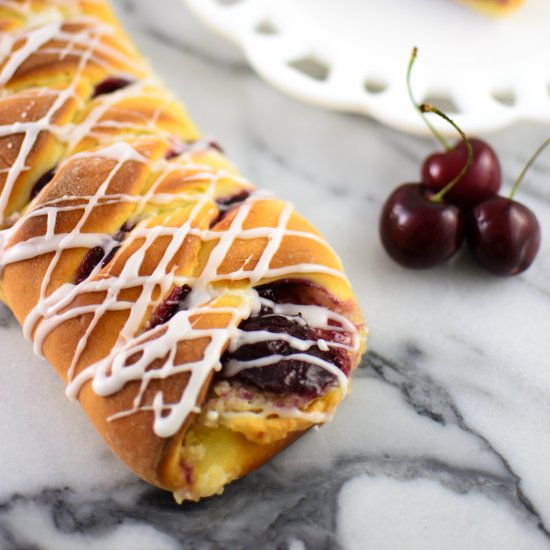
(268, 55)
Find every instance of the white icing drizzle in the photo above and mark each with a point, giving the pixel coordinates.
(88, 46)
(322, 345)
(136, 348)
(34, 39)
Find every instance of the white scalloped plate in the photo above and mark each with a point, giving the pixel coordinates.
(492, 72)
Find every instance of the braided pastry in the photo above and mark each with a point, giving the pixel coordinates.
(203, 325)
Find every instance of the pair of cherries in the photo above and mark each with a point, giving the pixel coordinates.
(423, 224)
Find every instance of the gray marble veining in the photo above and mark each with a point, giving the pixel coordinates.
(445, 439)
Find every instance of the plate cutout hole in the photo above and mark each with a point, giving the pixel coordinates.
(375, 85)
(443, 102)
(311, 66)
(504, 97)
(267, 28)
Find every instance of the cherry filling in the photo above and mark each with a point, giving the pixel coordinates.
(41, 183)
(225, 204)
(232, 200)
(170, 306)
(296, 376)
(111, 84)
(97, 255)
(92, 258)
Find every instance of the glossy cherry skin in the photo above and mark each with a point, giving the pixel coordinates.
(480, 182)
(110, 84)
(417, 232)
(503, 235)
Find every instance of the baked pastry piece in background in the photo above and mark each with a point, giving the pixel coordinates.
(494, 7)
(203, 325)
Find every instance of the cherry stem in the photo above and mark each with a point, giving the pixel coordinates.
(432, 128)
(527, 166)
(427, 108)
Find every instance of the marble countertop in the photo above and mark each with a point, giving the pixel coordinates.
(445, 439)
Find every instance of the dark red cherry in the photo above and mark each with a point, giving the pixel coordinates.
(167, 309)
(481, 181)
(97, 254)
(111, 84)
(92, 258)
(226, 204)
(503, 235)
(482, 178)
(41, 183)
(418, 232)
